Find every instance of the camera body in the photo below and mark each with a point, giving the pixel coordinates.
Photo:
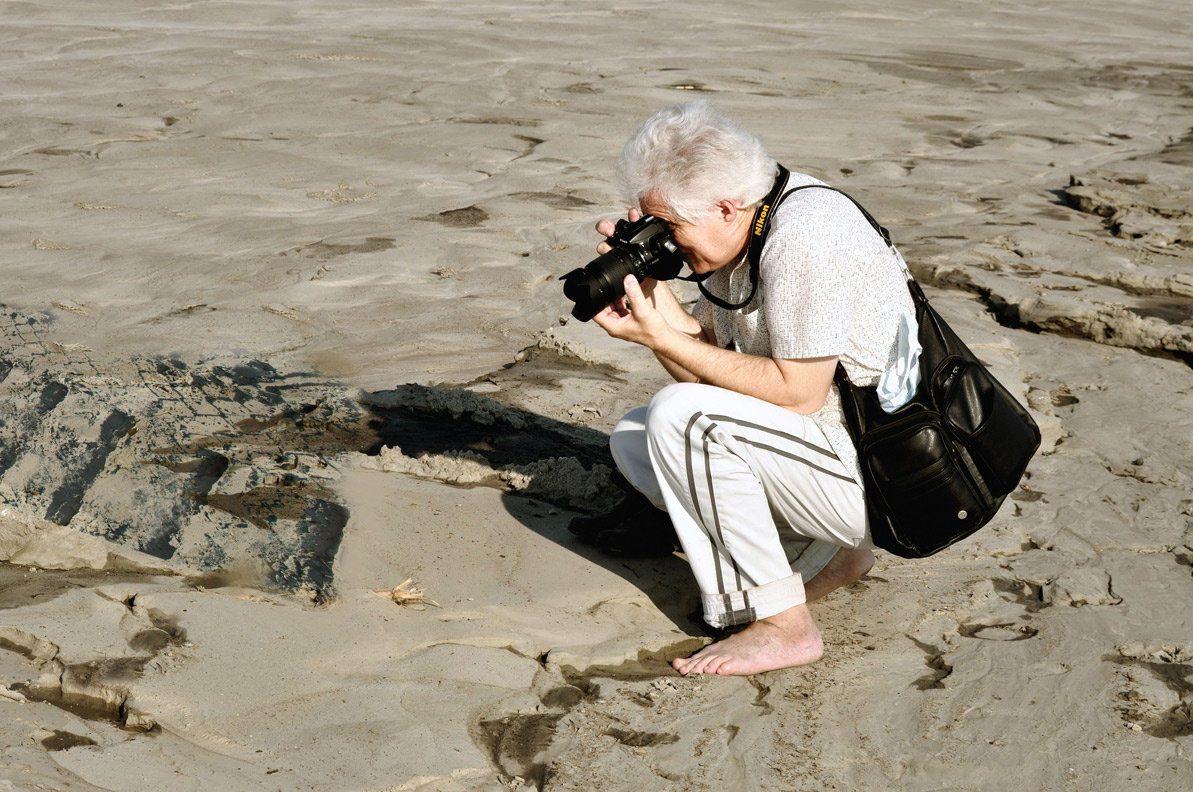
(644, 249)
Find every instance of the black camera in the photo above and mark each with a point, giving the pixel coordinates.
(644, 248)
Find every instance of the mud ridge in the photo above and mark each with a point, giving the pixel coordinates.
(1138, 327)
(223, 466)
(1133, 208)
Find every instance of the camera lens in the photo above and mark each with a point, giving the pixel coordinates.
(599, 283)
(644, 248)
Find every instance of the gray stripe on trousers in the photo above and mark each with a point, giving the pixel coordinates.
(792, 456)
(795, 439)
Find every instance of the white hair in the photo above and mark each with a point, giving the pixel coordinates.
(690, 156)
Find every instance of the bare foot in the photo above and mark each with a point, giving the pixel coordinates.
(786, 639)
(844, 568)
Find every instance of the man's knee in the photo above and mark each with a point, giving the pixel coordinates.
(627, 441)
(673, 408)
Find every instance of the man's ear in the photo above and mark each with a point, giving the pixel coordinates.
(727, 210)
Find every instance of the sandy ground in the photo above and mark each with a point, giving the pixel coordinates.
(282, 329)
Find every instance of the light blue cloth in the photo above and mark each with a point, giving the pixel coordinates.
(898, 384)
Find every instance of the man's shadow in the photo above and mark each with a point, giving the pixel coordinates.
(562, 470)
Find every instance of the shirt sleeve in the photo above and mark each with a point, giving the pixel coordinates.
(811, 269)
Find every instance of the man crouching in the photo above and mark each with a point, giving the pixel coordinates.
(748, 449)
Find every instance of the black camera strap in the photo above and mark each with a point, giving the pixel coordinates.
(758, 231)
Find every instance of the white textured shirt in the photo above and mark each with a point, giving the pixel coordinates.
(828, 286)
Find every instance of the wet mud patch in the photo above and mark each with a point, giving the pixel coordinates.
(1174, 310)
(20, 586)
(642, 739)
(523, 745)
(934, 659)
(554, 200)
(1179, 152)
(648, 665)
(324, 251)
(467, 217)
(938, 67)
(1027, 593)
(59, 740)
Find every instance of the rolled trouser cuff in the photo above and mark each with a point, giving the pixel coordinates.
(744, 607)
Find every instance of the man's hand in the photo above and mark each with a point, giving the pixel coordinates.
(634, 317)
(652, 310)
(607, 227)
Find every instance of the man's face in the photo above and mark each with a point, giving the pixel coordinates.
(709, 245)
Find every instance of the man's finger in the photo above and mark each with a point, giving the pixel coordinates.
(633, 292)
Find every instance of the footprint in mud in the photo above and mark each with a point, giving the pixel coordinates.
(640, 713)
(1155, 689)
(517, 743)
(999, 631)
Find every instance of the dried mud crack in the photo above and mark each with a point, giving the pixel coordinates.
(98, 688)
(1123, 282)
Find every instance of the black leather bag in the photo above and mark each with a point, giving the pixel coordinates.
(938, 468)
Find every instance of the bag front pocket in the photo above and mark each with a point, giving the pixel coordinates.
(999, 434)
(918, 483)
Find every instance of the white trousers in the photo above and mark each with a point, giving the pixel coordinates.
(758, 498)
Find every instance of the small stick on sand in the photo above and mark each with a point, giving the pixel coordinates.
(406, 594)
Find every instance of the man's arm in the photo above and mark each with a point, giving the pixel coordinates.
(663, 300)
(798, 385)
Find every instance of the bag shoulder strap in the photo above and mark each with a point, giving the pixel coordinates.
(761, 228)
(886, 235)
(840, 376)
(882, 232)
